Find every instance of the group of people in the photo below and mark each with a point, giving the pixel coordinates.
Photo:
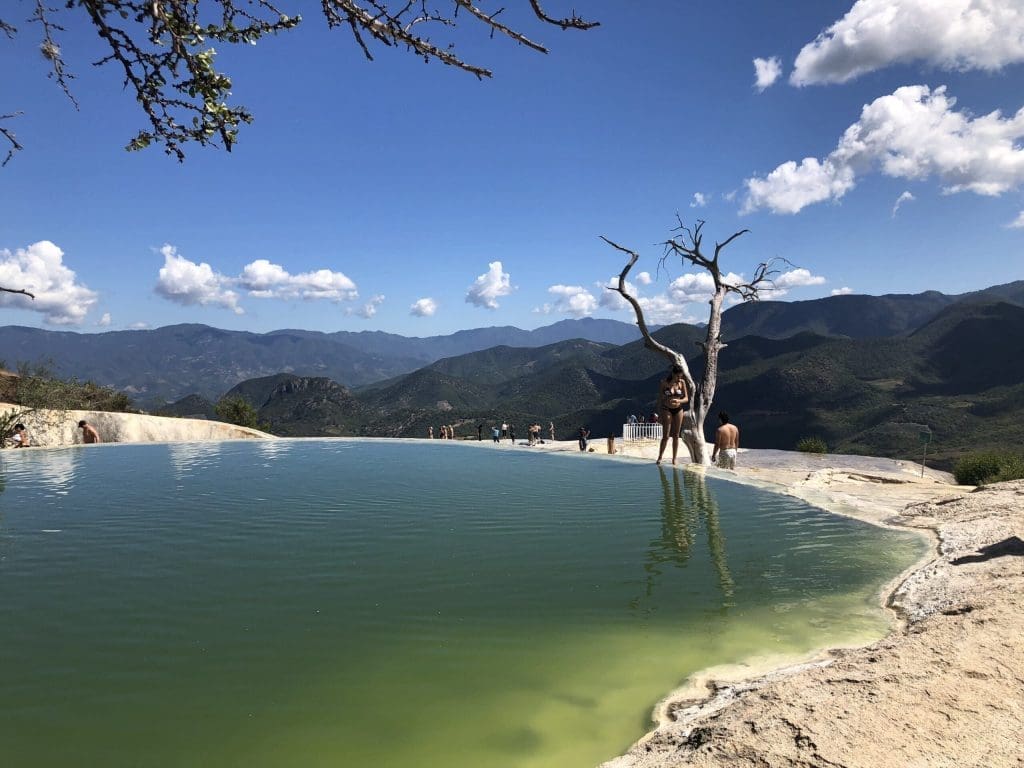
(673, 401)
(447, 432)
(533, 433)
(20, 437)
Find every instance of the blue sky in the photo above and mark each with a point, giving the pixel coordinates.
(413, 198)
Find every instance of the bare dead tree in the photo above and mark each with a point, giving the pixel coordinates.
(686, 246)
(165, 50)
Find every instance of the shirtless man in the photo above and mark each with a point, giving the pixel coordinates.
(727, 443)
(89, 433)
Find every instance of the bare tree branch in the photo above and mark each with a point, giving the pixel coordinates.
(18, 290)
(572, 22)
(496, 26)
(720, 246)
(649, 341)
(8, 134)
(50, 50)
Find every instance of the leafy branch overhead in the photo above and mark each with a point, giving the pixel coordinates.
(166, 51)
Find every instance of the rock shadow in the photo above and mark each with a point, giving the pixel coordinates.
(1009, 546)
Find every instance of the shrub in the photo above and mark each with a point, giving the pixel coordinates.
(989, 467)
(37, 387)
(238, 410)
(811, 445)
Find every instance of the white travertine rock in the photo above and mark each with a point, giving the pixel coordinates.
(52, 429)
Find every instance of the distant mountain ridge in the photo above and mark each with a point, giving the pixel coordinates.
(855, 316)
(168, 363)
(959, 377)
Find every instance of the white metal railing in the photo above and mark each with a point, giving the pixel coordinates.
(636, 432)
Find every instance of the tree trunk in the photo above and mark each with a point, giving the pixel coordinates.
(701, 399)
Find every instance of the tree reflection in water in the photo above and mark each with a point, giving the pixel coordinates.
(686, 504)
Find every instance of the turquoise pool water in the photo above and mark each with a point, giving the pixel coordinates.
(374, 603)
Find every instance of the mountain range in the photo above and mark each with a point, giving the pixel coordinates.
(866, 374)
(156, 366)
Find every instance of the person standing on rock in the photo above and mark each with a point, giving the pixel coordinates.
(584, 437)
(89, 433)
(727, 443)
(672, 400)
(551, 430)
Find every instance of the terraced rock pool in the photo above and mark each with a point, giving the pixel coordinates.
(377, 603)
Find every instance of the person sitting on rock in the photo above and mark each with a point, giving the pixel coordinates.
(21, 438)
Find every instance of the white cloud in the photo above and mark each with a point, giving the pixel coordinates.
(699, 200)
(905, 197)
(369, 309)
(1017, 223)
(425, 307)
(185, 282)
(697, 286)
(265, 280)
(489, 287)
(797, 278)
(104, 321)
(663, 310)
(644, 278)
(949, 34)
(844, 291)
(914, 133)
(766, 72)
(611, 299)
(794, 278)
(791, 187)
(40, 270)
(573, 300)
(139, 326)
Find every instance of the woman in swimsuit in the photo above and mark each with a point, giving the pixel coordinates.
(672, 401)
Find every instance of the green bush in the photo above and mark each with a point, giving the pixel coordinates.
(990, 467)
(238, 410)
(811, 445)
(38, 387)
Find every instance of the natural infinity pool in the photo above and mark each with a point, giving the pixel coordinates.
(374, 603)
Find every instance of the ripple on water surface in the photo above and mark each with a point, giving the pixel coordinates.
(287, 603)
